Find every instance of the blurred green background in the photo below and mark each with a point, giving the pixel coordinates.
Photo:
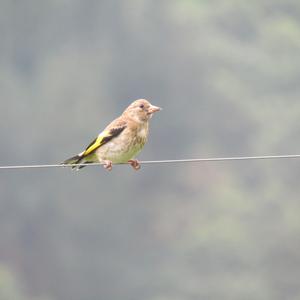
(227, 74)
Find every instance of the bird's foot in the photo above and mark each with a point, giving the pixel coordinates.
(135, 164)
(107, 164)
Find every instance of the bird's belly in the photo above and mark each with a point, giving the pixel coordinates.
(118, 152)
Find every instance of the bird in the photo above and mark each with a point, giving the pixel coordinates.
(121, 141)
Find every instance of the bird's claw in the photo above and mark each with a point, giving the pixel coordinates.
(107, 164)
(135, 164)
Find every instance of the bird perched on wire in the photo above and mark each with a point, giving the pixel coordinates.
(121, 140)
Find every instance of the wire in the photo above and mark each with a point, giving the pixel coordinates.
(168, 161)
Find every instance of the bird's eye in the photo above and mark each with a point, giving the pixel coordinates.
(142, 106)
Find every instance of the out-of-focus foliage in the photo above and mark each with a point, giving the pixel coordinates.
(227, 74)
(10, 288)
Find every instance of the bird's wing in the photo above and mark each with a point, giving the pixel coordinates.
(111, 131)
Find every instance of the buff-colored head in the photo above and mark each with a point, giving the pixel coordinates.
(141, 110)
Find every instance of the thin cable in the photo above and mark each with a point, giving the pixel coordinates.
(168, 161)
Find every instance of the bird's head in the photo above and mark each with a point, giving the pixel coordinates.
(141, 110)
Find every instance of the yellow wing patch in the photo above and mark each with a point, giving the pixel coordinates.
(96, 143)
(103, 138)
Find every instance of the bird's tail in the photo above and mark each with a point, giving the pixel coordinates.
(77, 159)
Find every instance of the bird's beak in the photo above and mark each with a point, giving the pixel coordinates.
(152, 109)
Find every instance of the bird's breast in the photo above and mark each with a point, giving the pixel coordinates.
(142, 132)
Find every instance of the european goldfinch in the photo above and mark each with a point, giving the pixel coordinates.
(121, 140)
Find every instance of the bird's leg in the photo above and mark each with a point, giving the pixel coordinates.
(135, 164)
(107, 164)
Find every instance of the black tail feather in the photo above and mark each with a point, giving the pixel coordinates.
(73, 160)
